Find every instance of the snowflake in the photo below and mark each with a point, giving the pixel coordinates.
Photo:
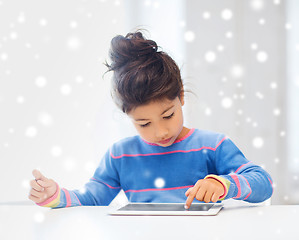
(28, 45)
(206, 15)
(79, 79)
(262, 56)
(273, 85)
(56, 151)
(235, 96)
(147, 3)
(276, 112)
(31, 132)
(226, 14)
(208, 111)
(45, 118)
(41, 81)
(259, 95)
(20, 99)
(258, 142)
(224, 79)
(276, 2)
(4, 57)
(65, 89)
(43, 22)
(82, 190)
(39, 217)
(21, 18)
(13, 35)
(228, 34)
(159, 182)
(237, 71)
(117, 3)
(286, 197)
(257, 4)
(262, 21)
(220, 48)
(73, 43)
(227, 102)
(189, 36)
(254, 46)
(26, 184)
(239, 84)
(282, 133)
(210, 56)
(288, 26)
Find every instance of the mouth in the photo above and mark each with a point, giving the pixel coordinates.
(165, 141)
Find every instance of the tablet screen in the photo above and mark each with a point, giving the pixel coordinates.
(165, 207)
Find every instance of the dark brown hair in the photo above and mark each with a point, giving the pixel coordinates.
(141, 73)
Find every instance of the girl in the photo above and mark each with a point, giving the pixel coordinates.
(188, 164)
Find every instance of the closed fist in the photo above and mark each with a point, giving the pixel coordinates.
(42, 188)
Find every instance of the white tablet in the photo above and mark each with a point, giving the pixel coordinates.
(169, 209)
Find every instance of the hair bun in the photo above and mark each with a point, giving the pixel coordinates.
(129, 48)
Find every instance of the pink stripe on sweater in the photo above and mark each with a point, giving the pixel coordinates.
(271, 184)
(164, 153)
(105, 184)
(186, 136)
(248, 186)
(236, 179)
(77, 199)
(220, 142)
(159, 189)
(68, 197)
(242, 166)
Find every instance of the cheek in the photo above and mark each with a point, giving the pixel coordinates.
(178, 121)
(143, 132)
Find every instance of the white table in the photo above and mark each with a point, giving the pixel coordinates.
(87, 223)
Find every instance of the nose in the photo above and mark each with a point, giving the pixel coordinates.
(161, 132)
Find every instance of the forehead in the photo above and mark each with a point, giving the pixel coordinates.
(152, 108)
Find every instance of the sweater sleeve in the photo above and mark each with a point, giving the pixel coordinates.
(99, 191)
(248, 181)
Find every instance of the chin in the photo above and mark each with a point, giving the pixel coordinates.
(166, 145)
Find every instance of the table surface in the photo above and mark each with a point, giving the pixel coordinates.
(29, 221)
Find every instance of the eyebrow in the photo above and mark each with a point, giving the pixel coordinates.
(143, 119)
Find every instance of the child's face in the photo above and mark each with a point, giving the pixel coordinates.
(159, 122)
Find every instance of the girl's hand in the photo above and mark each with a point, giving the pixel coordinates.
(207, 190)
(42, 188)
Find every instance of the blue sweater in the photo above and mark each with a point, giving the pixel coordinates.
(151, 173)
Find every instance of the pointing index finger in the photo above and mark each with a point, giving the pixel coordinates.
(192, 195)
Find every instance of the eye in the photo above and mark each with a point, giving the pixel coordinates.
(145, 125)
(170, 116)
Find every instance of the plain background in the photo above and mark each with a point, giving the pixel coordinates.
(238, 58)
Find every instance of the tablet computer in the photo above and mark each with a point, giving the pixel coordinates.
(169, 209)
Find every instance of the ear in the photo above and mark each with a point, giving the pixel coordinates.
(182, 97)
